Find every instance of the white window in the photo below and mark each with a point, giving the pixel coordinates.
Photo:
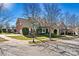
(43, 30)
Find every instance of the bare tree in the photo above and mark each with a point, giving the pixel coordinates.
(74, 19)
(70, 20)
(32, 10)
(5, 16)
(1, 8)
(52, 12)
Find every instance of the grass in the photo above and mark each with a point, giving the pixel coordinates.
(8, 33)
(52, 35)
(42, 37)
(26, 38)
(2, 40)
(38, 39)
(20, 37)
(56, 36)
(36, 42)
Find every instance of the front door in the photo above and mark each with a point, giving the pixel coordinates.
(55, 31)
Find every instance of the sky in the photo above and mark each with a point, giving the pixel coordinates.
(70, 7)
(16, 9)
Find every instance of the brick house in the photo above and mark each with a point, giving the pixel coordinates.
(21, 23)
(59, 28)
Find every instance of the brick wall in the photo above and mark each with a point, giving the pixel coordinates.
(19, 25)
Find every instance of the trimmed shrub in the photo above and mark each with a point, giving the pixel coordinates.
(9, 31)
(25, 31)
(4, 30)
(55, 35)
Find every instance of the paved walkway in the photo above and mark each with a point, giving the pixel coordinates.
(13, 41)
(75, 41)
(15, 47)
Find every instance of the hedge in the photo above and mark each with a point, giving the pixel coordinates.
(0, 31)
(4, 30)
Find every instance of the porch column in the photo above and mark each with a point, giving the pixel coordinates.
(21, 31)
(57, 31)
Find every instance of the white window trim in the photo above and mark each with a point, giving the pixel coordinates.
(44, 30)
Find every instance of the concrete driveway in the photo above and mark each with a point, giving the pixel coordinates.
(15, 47)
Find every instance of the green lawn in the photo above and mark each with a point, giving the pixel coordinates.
(20, 37)
(27, 38)
(2, 40)
(41, 37)
(8, 34)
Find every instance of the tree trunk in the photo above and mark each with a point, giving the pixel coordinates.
(64, 32)
(50, 33)
(73, 34)
(33, 34)
(33, 40)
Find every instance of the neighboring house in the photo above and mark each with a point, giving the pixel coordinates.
(9, 30)
(74, 30)
(68, 30)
